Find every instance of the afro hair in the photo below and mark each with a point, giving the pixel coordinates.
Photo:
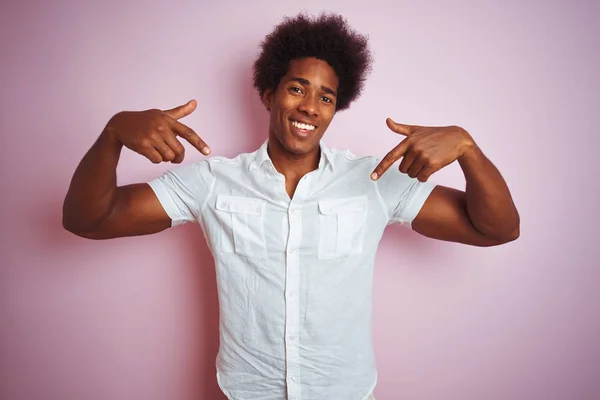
(327, 37)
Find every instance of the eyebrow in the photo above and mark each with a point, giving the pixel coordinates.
(305, 82)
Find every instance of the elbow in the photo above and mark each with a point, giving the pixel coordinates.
(70, 225)
(513, 235)
(516, 230)
(510, 233)
(509, 236)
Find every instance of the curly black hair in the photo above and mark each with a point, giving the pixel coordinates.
(327, 37)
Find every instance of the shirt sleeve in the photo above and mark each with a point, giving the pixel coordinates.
(403, 196)
(183, 191)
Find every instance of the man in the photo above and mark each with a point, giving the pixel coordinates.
(294, 226)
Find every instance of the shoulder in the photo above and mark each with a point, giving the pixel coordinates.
(392, 179)
(239, 161)
(346, 159)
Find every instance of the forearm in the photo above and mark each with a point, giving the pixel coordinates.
(489, 204)
(93, 187)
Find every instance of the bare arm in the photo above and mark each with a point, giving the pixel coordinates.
(483, 215)
(94, 206)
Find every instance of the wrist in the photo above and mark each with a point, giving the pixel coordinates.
(109, 142)
(468, 149)
(109, 133)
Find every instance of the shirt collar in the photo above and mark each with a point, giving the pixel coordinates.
(262, 156)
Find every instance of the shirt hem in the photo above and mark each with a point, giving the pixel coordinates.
(165, 200)
(416, 204)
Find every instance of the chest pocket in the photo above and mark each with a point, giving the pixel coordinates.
(342, 224)
(243, 225)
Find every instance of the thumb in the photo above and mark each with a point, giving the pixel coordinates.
(401, 129)
(182, 111)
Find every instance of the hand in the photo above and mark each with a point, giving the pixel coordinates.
(425, 150)
(153, 133)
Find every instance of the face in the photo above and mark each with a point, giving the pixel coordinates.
(302, 106)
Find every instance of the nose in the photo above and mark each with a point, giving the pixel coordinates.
(309, 105)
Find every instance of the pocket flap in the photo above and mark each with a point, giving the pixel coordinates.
(240, 205)
(336, 206)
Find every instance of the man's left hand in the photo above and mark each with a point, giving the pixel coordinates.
(425, 150)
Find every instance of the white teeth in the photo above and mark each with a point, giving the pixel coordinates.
(302, 126)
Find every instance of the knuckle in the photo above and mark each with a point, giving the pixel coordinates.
(179, 149)
(168, 154)
(145, 143)
(156, 137)
(418, 149)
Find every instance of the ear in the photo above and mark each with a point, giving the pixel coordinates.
(266, 98)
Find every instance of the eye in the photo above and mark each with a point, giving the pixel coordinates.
(326, 99)
(296, 89)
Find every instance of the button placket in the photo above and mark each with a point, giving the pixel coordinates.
(292, 306)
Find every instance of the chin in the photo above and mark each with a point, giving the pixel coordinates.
(299, 147)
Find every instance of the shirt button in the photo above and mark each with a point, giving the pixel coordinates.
(293, 378)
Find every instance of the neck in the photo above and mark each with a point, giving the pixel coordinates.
(292, 166)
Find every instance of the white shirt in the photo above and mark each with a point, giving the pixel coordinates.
(295, 276)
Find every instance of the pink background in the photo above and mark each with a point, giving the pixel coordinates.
(137, 318)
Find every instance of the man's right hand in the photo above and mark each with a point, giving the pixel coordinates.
(153, 133)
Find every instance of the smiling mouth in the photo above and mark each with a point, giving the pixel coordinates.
(303, 127)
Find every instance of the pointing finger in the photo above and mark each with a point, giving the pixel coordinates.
(389, 159)
(401, 129)
(182, 111)
(192, 137)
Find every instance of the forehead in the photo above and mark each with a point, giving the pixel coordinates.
(317, 72)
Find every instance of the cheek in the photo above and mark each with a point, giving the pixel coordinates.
(327, 117)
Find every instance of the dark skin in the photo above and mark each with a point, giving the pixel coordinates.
(95, 207)
(307, 94)
(483, 215)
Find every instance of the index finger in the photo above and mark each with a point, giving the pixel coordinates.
(192, 137)
(390, 158)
